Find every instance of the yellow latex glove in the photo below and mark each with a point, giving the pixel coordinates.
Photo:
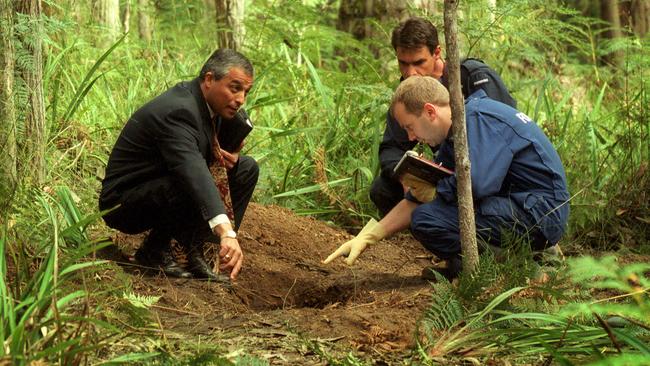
(422, 190)
(370, 234)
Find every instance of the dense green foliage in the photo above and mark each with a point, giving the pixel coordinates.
(318, 128)
(528, 322)
(316, 138)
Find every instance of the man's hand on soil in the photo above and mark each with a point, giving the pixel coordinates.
(370, 234)
(230, 257)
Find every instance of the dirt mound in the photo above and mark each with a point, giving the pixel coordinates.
(284, 290)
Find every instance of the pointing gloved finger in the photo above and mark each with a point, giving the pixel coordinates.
(341, 251)
(354, 253)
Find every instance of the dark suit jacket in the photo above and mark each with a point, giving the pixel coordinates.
(170, 135)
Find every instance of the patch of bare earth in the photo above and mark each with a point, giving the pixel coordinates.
(284, 295)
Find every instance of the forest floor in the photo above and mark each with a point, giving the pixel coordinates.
(286, 305)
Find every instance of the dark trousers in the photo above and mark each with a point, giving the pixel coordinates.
(385, 193)
(163, 206)
(435, 225)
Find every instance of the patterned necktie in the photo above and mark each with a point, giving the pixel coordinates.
(220, 175)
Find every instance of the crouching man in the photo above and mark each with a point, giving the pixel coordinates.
(518, 181)
(167, 173)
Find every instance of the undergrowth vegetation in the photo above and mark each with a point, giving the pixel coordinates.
(317, 130)
(536, 322)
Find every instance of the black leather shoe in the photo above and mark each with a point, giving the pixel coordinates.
(451, 271)
(202, 270)
(158, 255)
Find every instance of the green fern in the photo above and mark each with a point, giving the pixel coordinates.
(446, 309)
(633, 299)
(140, 301)
(472, 286)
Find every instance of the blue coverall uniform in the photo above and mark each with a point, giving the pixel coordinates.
(518, 183)
(386, 191)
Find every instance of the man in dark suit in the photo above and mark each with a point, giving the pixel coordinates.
(160, 173)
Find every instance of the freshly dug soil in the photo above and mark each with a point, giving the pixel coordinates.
(285, 296)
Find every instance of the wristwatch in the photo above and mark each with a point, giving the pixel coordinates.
(229, 234)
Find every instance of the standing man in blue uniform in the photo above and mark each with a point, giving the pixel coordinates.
(518, 181)
(418, 52)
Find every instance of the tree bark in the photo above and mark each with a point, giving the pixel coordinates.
(466, 219)
(354, 15)
(77, 12)
(610, 13)
(636, 15)
(144, 20)
(491, 8)
(230, 23)
(429, 8)
(107, 15)
(35, 130)
(126, 16)
(8, 159)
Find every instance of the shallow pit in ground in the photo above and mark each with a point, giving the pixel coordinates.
(283, 283)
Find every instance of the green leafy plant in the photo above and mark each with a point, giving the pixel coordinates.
(576, 334)
(137, 307)
(41, 320)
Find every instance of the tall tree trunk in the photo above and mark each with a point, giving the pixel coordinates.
(636, 15)
(230, 23)
(107, 15)
(640, 17)
(144, 20)
(355, 15)
(76, 11)
(466, 219)
(8, 159)
(35, 130)
(491, 8)
(429, 8)
(611, 14)
(126, 16)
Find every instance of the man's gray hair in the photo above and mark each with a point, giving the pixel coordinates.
(222, 60)
(415, 91)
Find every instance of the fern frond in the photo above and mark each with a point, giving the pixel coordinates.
(140, 301)
(445, 310)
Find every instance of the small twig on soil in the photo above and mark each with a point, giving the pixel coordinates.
(284, 299)
(423, 257)
(334, 339)
(403, 264)
(609, 331)
(639, 291)
(135, 330)
(256, 294)
(162, 329)
(309, 267)
(361, 305)
(176, 310)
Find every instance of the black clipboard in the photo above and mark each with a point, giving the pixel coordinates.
(233, 131)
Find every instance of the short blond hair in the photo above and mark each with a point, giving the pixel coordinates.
(415, 91)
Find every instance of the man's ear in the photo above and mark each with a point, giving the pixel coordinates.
(208, 77)
(437, 51)
(431, 110)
